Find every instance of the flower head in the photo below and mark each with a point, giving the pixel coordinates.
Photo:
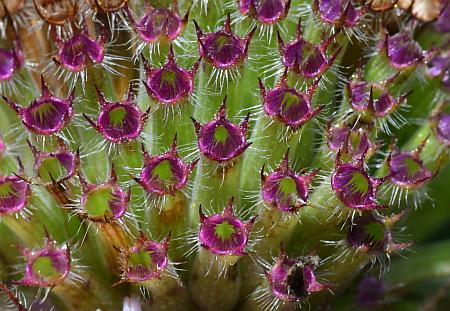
(10, 61)
(119, 122)
(79, 51)
(293, 280)
(159, 24)
(265, 11)
(372, 234)
(406, 169)
(145, 261)
(223, 49)
(47, 114)
(47, 266)
(105, 202)
(165, 173)
(170, 83)
(304, 58)
(288, 105)
(285, 189)
(353, 185)
(224, 234)
(221, 140)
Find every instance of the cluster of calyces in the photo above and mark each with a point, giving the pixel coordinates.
(15, 194)
(54, 169)
(170, 84)
(164, 174)
(119, 122)
(287, 105)
(224, 236)
(11, 61)
(146, 261)
(223, 49)
(340, 13)
(158, 25)
(220, 140)
(352, 141)
(402, 51)
(353, 185)
(440, 124)
(290, 281)
(58, 13)
(284, 189)
(305, 58)
(423, 10)
(266, 12)
(373, 234)
(47, 114)
(375, 103)
(439, 66)
(49, 266)
(105, 202)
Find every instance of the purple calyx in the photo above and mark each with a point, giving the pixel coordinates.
(304, 58)
(106, 202)
(265, 11)
(406, 169)
(288, 105)
(353, 185)
(224, 234)
(340, 13)
(159, 24)
(353, 142)
(170, 83)
(372, 234)
(57, 166)
(284, 189)
(371, 292)
(441, 125)
(373, 99)
(47, 114)
(10, 61)
(15, 194)
(47, 266)
(443, 21)
(293, 280)
(402, 51)
(119, 122)
(145, 261)
(165, 174)
(223, 49)
(80, 51)
(56, 12)
(221, 140)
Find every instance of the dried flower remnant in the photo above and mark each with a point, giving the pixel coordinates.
(223, 49)
(265, 11)
(119, 122)
(284, 189)
(56, 12)
(47, 114)
(107, 6)
(423, 10)
(170, 84)
(288, 105)
(353, 185)
(166, 173)
(224, 234)
(221, 140)
(304, 58)
(382, 5)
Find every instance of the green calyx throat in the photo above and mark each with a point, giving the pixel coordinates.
(141, 258)
(6, 190)
(51, 167)
(98, 202)
(289, 100)
(375, 232)
(412, 166)
(117, 116)
(358, 183)
(287, 186)
(42, 111)
(224, 230)
(43, 266)
(221, 134)
(163, 171)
